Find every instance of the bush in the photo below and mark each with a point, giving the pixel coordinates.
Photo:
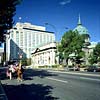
(26, 62)
(29, 61)
(54, 66)
(43, 66)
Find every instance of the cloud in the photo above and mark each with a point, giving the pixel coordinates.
(65, 2)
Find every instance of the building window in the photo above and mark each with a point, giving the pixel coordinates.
(17, 32)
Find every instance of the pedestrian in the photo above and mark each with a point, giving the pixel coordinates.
(8, 73)
(10, 70)
(19, 72)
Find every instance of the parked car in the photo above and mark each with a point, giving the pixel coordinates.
(73, 69)
(92, 69)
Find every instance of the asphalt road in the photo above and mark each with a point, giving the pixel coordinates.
(51, 85)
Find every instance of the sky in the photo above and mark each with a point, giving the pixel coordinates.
(61, 15)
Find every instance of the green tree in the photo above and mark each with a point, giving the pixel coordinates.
(95, 56)
(92, 59)
(71, 42)
(97, 50)
(7, 11)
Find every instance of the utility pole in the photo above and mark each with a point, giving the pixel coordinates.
(6, 41)
(56, 34)
(57, 43)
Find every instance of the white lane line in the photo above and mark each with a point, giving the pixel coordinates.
(75, 73)
(57, 80)
(90, 79)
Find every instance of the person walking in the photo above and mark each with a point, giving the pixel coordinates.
(19, 72)
(9, 73)
(11, 69)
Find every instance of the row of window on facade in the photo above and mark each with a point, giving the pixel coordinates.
(34, 41)
(46, 57)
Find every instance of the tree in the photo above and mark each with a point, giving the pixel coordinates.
(97, 50)
(7, 11)
(95, 56)
(71, 42)
(92, 59)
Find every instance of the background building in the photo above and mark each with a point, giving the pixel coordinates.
(86, 47)
(44, 55)
(25, 37)
(82, 30)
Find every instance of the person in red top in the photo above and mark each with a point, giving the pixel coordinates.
(11, 70)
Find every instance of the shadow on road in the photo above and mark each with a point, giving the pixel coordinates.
(29, 92)
(29, 73)
(39, 73)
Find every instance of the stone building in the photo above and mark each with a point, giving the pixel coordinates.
(44, 55)
(83, 31)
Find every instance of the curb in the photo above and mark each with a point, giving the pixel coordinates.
(2, 93)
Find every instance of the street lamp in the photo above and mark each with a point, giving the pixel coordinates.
(55, 29)
(7, 37)
(56, 33)
(20, 57)
(53, 26)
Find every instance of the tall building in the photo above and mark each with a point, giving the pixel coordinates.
(25, 37)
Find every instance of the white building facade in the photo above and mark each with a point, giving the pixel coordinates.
(44, 55)
(25, 37)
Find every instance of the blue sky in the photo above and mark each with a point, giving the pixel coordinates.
(61, 14)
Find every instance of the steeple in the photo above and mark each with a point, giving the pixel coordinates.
(80, 28)
(79, 20)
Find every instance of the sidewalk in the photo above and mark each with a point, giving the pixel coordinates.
(2, 93)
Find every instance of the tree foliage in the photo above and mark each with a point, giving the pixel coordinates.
(71, 42)
(96, 50)
(95, 56)
(7, 11)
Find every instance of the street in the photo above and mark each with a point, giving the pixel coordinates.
(53, 85)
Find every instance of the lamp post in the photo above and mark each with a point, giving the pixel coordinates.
(20, 57)
(6, 36)
(56, 34)
(53, 26)
(55, 29)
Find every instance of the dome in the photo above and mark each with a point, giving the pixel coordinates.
(81, 29)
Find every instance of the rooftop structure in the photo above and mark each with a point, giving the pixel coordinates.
(80, 28)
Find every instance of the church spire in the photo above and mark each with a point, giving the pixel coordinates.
(79, 20)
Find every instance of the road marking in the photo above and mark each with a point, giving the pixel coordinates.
(90, 79)
(75, 73)
(57, 80)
